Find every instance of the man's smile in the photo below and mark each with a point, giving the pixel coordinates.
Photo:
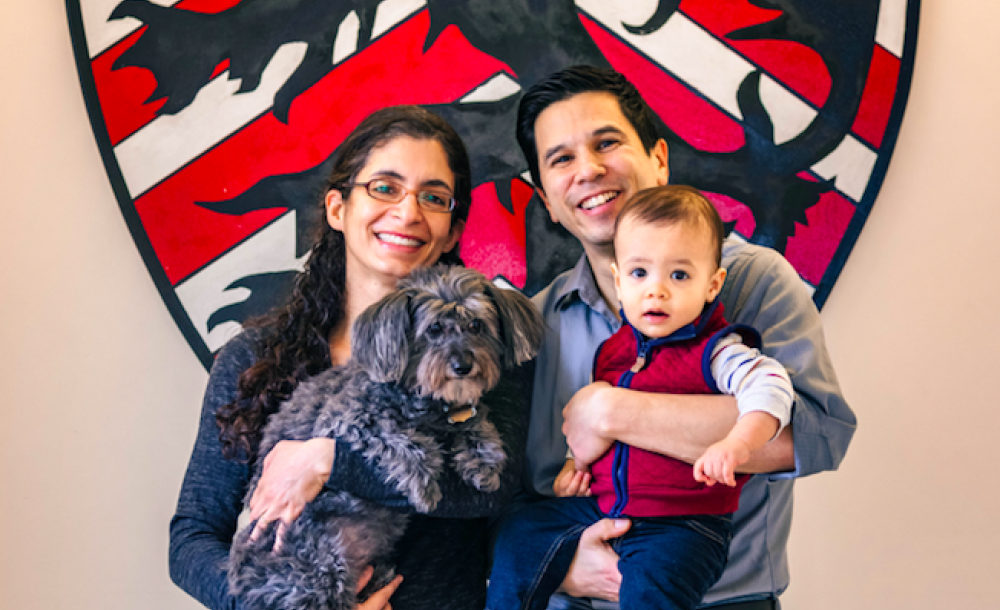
(598, 200)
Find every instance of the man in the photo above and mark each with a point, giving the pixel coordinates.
(591, 143)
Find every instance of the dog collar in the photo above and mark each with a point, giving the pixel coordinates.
(461, 414)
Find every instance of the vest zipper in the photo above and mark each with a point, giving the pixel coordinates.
(619, 467)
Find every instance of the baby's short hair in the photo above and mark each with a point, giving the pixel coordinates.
(671, 204)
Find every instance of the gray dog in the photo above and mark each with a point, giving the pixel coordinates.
(408, 401)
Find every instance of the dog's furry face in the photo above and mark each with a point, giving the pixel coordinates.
(457, 351)
(448, 332)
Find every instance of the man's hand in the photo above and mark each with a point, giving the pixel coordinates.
(720, 461)
(584, 417)
(571, 482)
(594, 571)
(294, 473)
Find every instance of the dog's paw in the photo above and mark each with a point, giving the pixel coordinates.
(481, 463)
(486, 478)
(426, 498)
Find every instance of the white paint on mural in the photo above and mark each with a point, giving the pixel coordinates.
(270, 250)
(891, 30)
(499, 87)
(346, 42)
(391, 12)
(632, 12)
(788, 114)
(850, 165)
(169, 142)
(707, 65)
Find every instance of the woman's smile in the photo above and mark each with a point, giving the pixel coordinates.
(385, 240)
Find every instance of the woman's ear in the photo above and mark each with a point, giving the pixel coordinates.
(457, 228)
(335, 209)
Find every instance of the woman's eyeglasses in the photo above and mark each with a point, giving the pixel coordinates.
(392, 191)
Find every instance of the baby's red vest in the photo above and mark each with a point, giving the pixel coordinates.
(650, 484)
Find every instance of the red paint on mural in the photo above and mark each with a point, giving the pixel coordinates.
(186, 236)
(494, 242)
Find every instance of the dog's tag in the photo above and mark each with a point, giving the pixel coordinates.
(462, 415)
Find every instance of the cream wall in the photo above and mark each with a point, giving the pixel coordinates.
(101, 393)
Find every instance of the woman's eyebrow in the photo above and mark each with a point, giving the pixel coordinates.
(390, 173)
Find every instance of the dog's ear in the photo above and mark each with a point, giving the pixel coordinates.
(379, 338)
(521, 325)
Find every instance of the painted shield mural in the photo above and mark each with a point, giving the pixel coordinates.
(218, 121)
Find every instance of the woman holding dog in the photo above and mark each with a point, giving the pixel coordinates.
(397, 199)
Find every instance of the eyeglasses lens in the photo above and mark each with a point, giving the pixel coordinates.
(391, 191)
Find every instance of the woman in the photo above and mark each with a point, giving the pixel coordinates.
(397, 198)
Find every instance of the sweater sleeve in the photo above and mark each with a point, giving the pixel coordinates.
(759, 383)
(509, 404)
(211, 497)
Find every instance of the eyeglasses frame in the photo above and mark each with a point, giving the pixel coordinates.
(452, 203)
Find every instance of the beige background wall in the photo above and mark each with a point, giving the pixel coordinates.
(100, 393)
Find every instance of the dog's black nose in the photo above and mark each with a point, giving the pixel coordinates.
(461, 365)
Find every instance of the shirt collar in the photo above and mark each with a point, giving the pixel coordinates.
(581, 285)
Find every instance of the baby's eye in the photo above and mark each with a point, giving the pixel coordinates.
(607, 144)
(679, 275)
(638, 273)
(561, 159)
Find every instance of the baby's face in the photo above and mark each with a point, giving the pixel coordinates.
(664, 274)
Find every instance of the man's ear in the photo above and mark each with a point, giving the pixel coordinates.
(661, 157)
(545, 200)
(715, 284)
(457, 228)
(335, 209)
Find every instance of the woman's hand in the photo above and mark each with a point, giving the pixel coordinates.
(378, 600)
(294, 473)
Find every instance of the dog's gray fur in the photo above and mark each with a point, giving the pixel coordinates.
(435, 345)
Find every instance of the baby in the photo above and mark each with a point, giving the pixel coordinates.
(674, 338)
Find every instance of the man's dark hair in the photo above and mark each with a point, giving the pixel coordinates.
(671, 204)
(572, 81)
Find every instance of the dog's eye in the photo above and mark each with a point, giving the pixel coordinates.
(476, 327)
(435, 330)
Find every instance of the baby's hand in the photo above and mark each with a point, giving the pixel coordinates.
(719, 463)
(571, 482)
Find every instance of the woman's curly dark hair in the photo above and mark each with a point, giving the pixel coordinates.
(294, 342)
